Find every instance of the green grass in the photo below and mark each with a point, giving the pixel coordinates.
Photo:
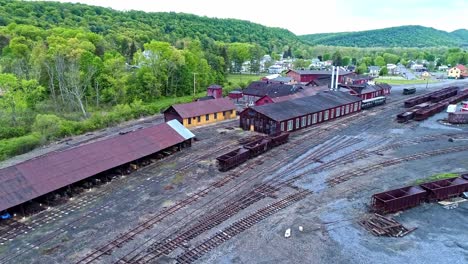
(234, 79)
(436, 177)
(402, 81)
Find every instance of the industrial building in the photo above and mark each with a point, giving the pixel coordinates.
(201, 112)
(299, 113)
(42, 175)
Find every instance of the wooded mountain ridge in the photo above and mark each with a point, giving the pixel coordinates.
(404, 36)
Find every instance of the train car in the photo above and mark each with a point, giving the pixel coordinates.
(279, 139)
(405, 117)
(233, 159)
(258, 147)
(368, 103)
(407, 91)
(399, 199)
(446, 188)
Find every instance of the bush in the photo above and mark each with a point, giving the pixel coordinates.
(11, 132)
(47, 125)
(19, 145)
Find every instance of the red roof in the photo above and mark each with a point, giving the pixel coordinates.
(461, 67)
(204, 107)
(33, 178)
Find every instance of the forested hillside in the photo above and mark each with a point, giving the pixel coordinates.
(405, 36)
(124, 28)
(70, 68)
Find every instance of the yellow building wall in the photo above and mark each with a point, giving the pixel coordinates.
(454, 73)
(211, 119)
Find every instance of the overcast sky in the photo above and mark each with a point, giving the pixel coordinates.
(314, 16)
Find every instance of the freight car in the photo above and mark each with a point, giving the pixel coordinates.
(249, 150)
(233, 159)
(404, 198)
(430, 96)
(373, 102)
(405, 117)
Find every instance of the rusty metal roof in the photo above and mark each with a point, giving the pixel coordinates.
(203, 107)
(33, 178)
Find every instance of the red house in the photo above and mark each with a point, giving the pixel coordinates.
(215, 90)
(306, 76)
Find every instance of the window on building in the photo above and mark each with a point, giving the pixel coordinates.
(304, 121)
(320, 117)
(309, 119)
(189, 121)
(282, 126)
(224, 113)
(207, 117)
(290, 125)
(297, 123)
(347, 109)
(332, 113)
(198, 119)
(314, 118)
(338, 112)
(325, 116)
(355, 107)
(215, 115)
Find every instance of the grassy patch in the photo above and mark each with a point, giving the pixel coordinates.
(236, 80)
(436, 177)
(179, 178)
(402, 81)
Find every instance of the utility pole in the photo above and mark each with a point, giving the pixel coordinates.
(194, 91)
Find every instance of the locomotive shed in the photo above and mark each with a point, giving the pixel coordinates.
(182, 207)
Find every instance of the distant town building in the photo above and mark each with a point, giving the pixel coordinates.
(457, 72)
(374, 71)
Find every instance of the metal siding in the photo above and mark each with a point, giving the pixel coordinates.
(179, 128)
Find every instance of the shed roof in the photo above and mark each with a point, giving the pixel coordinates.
(299, 107)
(36, 177)
(203, 107)
(272, 89)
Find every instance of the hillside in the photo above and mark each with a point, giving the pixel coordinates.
(142, 26)
(404, 36)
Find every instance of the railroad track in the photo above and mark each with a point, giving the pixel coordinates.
(44, 217)
(211, 220)
(359, 172)
(235, 229)
(327, 127)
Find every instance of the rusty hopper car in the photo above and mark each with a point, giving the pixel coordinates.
(405, 117)
(443, 95)
(233, 159)
(399, 199)
(279, 139)
(258, 147)
(437, 95)
(444, 189)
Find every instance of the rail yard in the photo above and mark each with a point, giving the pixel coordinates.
(316, 182)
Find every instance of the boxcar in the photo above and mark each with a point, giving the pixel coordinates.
(411, 90)
(233, 159)
(444, 189)
(399, 199)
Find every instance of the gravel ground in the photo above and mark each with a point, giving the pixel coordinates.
(328, 215)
